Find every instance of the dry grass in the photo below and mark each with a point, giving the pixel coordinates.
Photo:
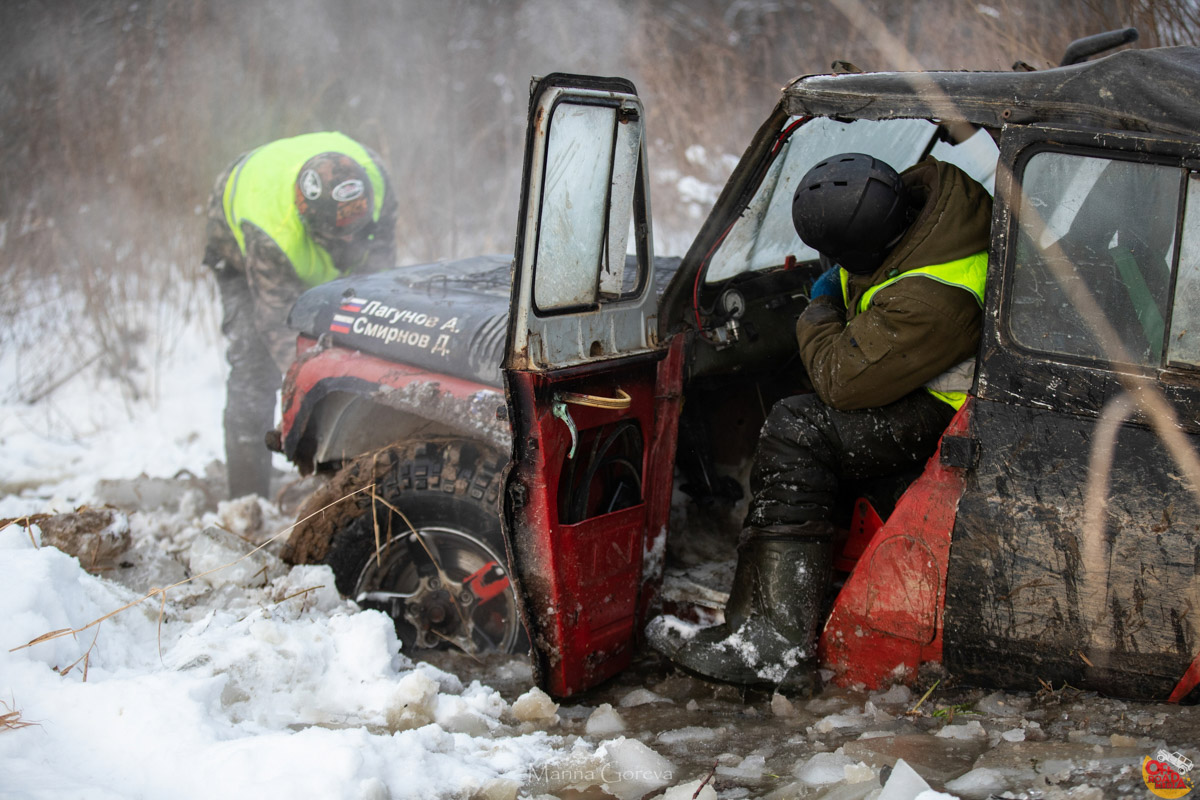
(10, 718)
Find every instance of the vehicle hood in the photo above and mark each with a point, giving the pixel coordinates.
(450, 317)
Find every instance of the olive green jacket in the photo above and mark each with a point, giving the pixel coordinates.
(914, 329)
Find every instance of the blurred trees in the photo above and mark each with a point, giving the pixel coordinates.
(116, 115)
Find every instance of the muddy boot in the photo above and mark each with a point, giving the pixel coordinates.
(771, 619)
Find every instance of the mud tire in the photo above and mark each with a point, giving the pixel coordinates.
(452, 487)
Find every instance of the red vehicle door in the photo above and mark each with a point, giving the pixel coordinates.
(593, 397)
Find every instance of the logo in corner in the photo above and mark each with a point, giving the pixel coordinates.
(1166, 774)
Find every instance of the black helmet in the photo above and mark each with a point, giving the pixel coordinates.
(852, 208)
(334, 196)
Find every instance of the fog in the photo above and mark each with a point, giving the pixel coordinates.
(116, 116)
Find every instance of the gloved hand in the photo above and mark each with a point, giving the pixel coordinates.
(821, 311)
(828, 285)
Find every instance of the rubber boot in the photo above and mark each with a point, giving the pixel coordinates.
(771, 619)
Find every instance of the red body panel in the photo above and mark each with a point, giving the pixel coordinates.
(313, 366)
(887, 620)
(588, 584)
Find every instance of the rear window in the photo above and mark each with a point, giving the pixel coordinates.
(1103, 271)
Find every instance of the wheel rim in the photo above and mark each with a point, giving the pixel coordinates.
(468, 604)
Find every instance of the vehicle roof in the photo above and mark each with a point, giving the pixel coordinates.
(1152, 90)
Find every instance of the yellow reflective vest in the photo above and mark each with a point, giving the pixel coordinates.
(970, 274)
(261, 191)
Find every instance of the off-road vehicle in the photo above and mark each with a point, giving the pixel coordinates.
(1055, 536)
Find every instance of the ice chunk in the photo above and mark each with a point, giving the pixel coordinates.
(972, 730)
(631, 769)
(687, 791)
(750, 768)
(978, 784)
(641, 697)
(782, 707)
(857, 773)
(842, 722)
(898, 694)
(604, 720)
(823, 769)
(938, 759)
(905, 784)
(414, 702)
(1000, 704)
(826, 705)
(534, 706)
(692, 733)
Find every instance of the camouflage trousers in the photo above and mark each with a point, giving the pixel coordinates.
(250, 390)
(807, 449)
(254, 378)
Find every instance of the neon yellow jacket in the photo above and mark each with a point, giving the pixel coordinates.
(260, 192)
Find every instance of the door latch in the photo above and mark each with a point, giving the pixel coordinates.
(559, 409)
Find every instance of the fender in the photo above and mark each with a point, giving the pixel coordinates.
(887, 620)
(326, 385)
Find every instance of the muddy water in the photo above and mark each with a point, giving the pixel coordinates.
(841, 744)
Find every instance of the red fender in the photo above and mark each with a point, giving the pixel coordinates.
(887, 620)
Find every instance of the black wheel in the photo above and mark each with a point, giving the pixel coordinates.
(440, 569)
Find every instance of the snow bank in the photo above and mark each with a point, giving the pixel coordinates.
(298, 698)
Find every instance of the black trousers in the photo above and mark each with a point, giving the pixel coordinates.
(806, 448)
(254, 379)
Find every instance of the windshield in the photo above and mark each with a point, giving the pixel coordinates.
(763, 237)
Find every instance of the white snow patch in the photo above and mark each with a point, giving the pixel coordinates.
(291, 699)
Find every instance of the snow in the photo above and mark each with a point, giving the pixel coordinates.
(203, 666)
(302, 698)
(251, 679)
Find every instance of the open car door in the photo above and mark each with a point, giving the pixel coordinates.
(593, 398)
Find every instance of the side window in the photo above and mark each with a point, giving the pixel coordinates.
(1094, 257)
(592, 158)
